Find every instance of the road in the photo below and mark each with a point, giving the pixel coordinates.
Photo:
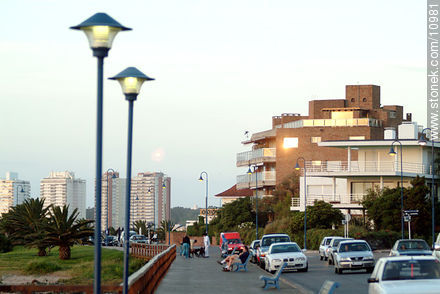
(319, 271)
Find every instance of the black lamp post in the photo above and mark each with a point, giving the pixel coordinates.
(206, 200)
(131, 80)
(21, 191)
(106, 219)
(100, 30)
(305, 198)
(423, 142)
(393, 153)
(169, 218)
(250, 172)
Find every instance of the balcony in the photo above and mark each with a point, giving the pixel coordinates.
(264, 179)
(261, 155)
(351, 201)
(365, 168)
(350, 122)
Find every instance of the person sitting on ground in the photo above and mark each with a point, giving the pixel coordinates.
(235, 258)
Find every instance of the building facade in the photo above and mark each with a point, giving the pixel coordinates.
(113, 191)
(13, 191)
(275, 152)
(62, 188)
(150, 198)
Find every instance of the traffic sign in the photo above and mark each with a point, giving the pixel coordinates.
(347, 217)
(411, 212)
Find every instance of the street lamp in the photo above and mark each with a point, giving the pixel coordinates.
(131, 80)
(250, 172)
(106, 219)
(206, 201)
(100, 30)
(393, 153)
(21, 191)
(169, 217)
(305, 198)
(422, 142)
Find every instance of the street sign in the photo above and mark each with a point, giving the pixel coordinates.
(347, 217)
(407, 218)
(344, 222)
(411, 212)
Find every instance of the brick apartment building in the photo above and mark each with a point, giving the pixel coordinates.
(359, 116)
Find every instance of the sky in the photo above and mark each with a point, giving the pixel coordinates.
(221, 68)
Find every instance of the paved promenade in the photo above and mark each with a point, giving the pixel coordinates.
(204, 275)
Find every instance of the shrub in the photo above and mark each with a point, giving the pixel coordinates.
(41, 267)
(5, 244)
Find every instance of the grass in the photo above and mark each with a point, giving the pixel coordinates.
(79, 269)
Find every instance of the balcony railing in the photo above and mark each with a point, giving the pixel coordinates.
(333, 199)
(256, 156)
(248, 181)
(365, 167)
(351, 122)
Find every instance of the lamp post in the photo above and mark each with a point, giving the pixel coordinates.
(106, 219)
(169, 218)
(393, 153)
(131, 80)
(250, 172)
(206, 201)
(21, 191)
(100, 30)
(423, 142)
(305, 198)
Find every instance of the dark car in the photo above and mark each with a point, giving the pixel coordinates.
(109, 241)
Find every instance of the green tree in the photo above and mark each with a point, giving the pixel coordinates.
(319, 216)
(140, 226)
(165, 226)
(235, 213)
(25, 224)
(64, 229)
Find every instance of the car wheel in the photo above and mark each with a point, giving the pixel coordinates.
(262, 264)
(330, 261)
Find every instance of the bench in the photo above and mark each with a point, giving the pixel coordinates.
(236, 266)
(328, 287)
(232, 253)
(273, 281)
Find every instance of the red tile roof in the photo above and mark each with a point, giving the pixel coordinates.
(233, 192)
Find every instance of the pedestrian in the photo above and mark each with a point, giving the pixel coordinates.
(206, 243)
(186, 244)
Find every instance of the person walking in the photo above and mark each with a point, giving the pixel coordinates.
(186, 244)
(206, 243)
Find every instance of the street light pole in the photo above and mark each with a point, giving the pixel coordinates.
(131, 80)
(392, 153)
(255, 168)
(21, 191)
(206, 200)
(305, 198)
(422, 142)
(100, 30)
(106, 219)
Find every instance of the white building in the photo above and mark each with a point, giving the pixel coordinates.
(113, 200)
(150, 197)
(13, 191)
(345, 183)
(62, 188)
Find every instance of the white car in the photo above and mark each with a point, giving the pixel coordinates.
(353, 255)
(410, 247)
(288, 252)
(404, 275)
(323, 247)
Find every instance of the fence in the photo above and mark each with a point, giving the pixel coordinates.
(145, 280)
(146, 251)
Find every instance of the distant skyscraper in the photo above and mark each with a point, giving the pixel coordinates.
(150, 197)
(62, 188)
(113, 199)
(13, 191)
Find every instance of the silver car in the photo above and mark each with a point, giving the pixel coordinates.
(354, 255)
(411, 247)
(323, 247)
(333, 247)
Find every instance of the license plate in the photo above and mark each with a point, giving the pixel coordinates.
(357, 263)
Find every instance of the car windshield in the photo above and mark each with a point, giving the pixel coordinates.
(354, 247)
(285, 248)
(234, 241)
(411, 269)
(256, 243)
(267, 241)
(412, 245)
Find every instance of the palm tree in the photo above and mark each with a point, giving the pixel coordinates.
(165, 225)
(24, 224)
(140, 226)
(63, 229)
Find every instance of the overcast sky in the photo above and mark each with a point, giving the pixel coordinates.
(221, 68)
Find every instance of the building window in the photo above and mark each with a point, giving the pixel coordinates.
(342, 114)
(315, 139)
(352, 99)
(392, 114)
(357, 138)
(290, 142)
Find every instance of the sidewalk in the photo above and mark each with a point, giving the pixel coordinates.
(204, 275)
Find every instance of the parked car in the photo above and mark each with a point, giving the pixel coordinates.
(109, 241)
(333, 246)
(233, 240)
(404, 275)
(410, 247)
(353, 255)
(325, 244)
(436, 249)
(253, 250)
(139, 239)
(265, 243)
(289, 252)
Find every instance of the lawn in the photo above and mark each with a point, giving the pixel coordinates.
(78, 270)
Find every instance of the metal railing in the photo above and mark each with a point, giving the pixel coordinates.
(350, 122)
(146, 251)
(264, 179)
(366, 166)
(336, 199)
(256, 156)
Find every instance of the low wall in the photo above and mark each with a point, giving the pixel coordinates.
(177, 237)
